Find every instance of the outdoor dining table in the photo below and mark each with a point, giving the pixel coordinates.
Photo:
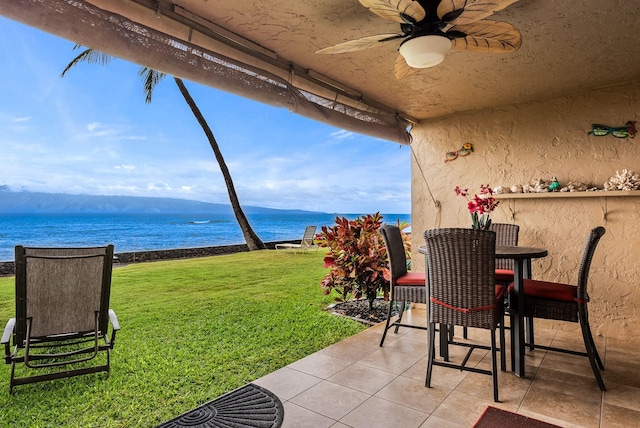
(521, 257)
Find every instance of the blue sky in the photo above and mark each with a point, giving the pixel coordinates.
(92, 133)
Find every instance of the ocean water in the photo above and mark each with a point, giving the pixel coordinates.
(142, 232)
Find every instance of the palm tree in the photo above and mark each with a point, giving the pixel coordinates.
(150, 79)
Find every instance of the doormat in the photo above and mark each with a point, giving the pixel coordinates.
(493, 417)
(250, 406)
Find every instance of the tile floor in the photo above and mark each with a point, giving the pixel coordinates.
(355, 383)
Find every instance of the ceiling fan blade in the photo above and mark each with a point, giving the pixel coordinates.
(359, 44)
(462, 12)
(393, 10)
(403, 69)
(487, 36)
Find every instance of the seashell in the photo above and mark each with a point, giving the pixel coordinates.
(627, 180)
(500, 190)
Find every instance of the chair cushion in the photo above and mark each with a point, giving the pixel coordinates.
(411, 278)
(500, 292)
(548, 290)
(504, 275)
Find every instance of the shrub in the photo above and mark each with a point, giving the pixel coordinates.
(357, 258)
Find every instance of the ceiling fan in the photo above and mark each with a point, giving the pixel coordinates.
(431, 27)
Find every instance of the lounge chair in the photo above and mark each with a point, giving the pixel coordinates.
(62, 313)
(305, 243)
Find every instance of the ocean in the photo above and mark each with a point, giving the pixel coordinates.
(144, 232)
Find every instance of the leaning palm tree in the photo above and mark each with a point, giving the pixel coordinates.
(151, 78)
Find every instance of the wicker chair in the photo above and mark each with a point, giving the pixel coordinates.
(564, 302)
(62, 313)
(506, 234)
(460, 266)
(405, 286)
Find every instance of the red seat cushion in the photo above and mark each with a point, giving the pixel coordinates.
(500, 292)
(549, 290)
(411, 278)
(504, 275)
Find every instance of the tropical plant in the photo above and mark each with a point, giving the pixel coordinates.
(357, 258)
(150, 79)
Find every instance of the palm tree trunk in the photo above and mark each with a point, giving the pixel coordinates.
(253, 241)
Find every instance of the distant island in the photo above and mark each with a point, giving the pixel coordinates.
(38, 202)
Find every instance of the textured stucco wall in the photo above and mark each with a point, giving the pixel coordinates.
(516, 144)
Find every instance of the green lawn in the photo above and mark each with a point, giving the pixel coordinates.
(191, 331)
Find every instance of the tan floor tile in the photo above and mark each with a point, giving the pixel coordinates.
(614, 417)
(624, 344)
(354, 348)
(542, 336)
(287, 383)
(558, 389)
(299, 417)
(441, 376)
(436, 422)
(575, 364)
(412, 393)
(622, 372)
(416, 334)
(582, 387)
(622, 396)
(462, 408)
(330, 399)
(379, 413)
(396, 357)
(544, 403)
(362, 378)
(319, 365)
(511, 389)
(626, 356)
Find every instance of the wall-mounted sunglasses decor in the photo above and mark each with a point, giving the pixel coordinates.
(626, 131)
(465, 150)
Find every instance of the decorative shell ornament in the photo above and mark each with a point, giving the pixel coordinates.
(536, 186)
(576, 187)
(500, 190)
(516, 188)
(627, 180)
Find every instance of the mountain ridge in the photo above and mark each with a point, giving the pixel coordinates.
(40, 202)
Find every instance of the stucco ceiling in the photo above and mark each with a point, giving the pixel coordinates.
(567, 47)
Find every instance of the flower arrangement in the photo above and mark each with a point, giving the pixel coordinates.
(480, 206)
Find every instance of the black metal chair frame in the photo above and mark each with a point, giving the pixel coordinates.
(417, 293)
(460, 266)
(576, 311)
(51, 339)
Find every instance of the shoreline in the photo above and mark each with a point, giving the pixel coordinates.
(7, 268)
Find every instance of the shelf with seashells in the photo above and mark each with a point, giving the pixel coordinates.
(622, 184)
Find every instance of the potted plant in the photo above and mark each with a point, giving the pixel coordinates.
(357, 258)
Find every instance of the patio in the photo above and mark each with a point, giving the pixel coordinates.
(355, 383)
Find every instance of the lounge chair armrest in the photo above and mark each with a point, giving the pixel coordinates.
(114, 320)
(8, 331)
(6, 338)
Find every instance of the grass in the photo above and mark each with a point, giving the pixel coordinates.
(191, 331)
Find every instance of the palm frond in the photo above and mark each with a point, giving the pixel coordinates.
(90, 56)
(150, 78)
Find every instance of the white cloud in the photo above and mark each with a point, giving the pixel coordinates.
(342, 134)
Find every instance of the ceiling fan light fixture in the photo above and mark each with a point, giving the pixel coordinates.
(425, 51)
